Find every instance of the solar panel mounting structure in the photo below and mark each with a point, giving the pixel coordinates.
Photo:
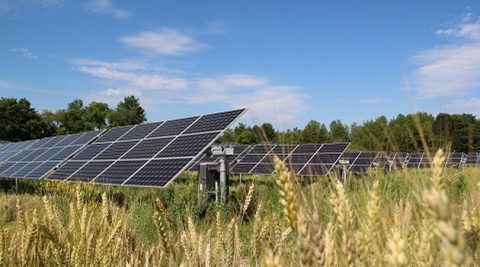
(146, 155)
(238, 150)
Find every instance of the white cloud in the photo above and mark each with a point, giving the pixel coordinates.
(134, 74)
(107, 7)
(24, 52)
(470, 105)
(115, 92)
(165, 41)
(276, 104)
(450, 69)
(266, 100)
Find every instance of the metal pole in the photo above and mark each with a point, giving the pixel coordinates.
(216, 192)
(344, 173)
(223, 179)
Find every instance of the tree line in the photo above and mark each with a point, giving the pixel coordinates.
(20, 121)
(411, 132)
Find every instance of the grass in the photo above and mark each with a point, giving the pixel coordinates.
(408, 217)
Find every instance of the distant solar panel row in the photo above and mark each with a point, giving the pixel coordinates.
(304, 159)
(360, 162)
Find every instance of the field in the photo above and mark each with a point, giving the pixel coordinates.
(408, 217)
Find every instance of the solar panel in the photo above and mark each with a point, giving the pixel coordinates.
(382, 160)
(304, 159)
(362, 162)
(253, 158)
(414, 159)
(11, 149)
(324, 159)
(151, 154)
(472, 158)
(398, 160)
(454, 159)
(42, 155)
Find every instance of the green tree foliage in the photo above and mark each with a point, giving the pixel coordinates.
(96, 115)
(465, 133)
(315, 132)
(290, 136)
(51, 122)
(72, 119)
(442, 127)
(244, 134)
(129, 111)
(371, 134)
(265, 133)
(19, 121)
(338, 132)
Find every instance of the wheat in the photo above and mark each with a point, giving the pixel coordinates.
(396, 250)
(288, 196)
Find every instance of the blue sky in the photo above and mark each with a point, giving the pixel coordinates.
(287, 61)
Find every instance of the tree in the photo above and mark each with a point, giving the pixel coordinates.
(72, 120)
(465, 133)
(442, 127)
(50, 119)
(266, 131)
(370, 135)
(314, 132)
(19, 121)
(338, 132)
(244, 134)
(228, 136)
(96, 115)
(129, 111)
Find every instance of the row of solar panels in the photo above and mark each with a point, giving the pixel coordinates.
(151, 154)
(303, 159)
(319, 159)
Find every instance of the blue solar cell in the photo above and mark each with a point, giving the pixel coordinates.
(172, 127)
(158, 172)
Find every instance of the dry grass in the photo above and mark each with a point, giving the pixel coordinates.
(420, 218)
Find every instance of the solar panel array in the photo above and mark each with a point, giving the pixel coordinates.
(38, 157)
(303, 159)
(151, 154)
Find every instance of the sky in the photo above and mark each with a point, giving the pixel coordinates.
(287, 61)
